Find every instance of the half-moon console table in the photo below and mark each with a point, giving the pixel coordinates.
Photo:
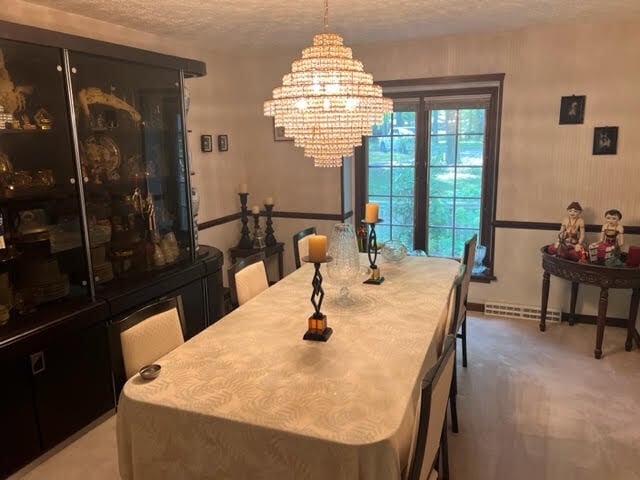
(591, 274)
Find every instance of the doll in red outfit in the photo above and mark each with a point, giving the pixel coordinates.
(570, 243)
(608, 249)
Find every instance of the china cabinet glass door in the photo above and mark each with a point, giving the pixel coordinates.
(42, 258)
(129, 123)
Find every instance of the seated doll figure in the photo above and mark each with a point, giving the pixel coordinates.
(607, 250)
(570, 243)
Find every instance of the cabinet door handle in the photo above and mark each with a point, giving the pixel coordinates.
(37, 363)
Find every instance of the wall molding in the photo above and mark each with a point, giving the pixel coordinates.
(632, 229)
(336, 217)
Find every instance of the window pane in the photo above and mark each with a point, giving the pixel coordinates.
(405, 120)
(470, 148)
(379, 181)
(402, 211)
(468, 213)
(383, 233)
(469, 182)
(385, 127)
(403, 180)
(461, 237)
(404, 149)
(440, 242)
(471, 120)
(443, 121)
(441, 181)
(442, 150)
(379, 150)
(441, 212)
(404, 234)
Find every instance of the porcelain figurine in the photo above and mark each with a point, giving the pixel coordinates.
(608, 249)
(570, 243)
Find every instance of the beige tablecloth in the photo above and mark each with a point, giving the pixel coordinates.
(249, 399)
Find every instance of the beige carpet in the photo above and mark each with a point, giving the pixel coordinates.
(531, 406)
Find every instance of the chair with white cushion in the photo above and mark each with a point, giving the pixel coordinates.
(301, 244)
(247, 278)
(456, 305)
(431, 439)
(145, 336)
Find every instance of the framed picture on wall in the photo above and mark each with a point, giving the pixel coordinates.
(605, 140)
(278, 134)
(572, 109)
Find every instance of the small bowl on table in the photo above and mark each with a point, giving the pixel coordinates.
(149, 372)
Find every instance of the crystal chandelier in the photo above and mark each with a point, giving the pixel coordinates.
(327, 102)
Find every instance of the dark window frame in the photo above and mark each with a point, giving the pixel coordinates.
(493, 85)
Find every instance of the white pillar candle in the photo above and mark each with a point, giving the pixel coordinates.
(255, 210)
(268, 201)
(242, 188)
(317, 248)
(371, 213)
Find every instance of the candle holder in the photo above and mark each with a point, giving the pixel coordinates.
(258, 237)
(270, 239)
(245, 240)
(318, 330)
(372, 245)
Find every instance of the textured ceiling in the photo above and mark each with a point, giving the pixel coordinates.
(222, 24)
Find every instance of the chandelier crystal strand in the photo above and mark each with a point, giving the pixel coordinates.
(327, 102)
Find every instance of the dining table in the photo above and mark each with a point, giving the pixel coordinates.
(248, 398)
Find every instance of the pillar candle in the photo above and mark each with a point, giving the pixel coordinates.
(371, 213)
(255, 210)
(317, 248)
(268, 201)
(242, 188)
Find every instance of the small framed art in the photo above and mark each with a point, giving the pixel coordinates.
(205, 143)
(605, 140)
(572, 109)
(278, 134)
(223, 143)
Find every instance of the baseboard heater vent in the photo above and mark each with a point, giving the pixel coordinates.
(520, 311)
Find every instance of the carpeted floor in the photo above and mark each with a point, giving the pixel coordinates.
(531, 405)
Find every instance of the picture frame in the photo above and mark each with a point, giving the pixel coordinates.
(605, 140)
(278, 134)
(572, 109)
(223, 143)
(205, 143)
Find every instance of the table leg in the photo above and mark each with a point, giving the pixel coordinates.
(281, 265)
(545, 300)
(574, 298)
(631, 321)
(602, 319)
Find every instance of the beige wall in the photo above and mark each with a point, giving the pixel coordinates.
(543, 165)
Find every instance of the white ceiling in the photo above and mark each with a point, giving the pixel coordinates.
(221, 24)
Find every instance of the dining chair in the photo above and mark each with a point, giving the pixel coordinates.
(461, 319)
(247, 278)
(455, 307)
(431, 438)
(301, 244)
(144, 336)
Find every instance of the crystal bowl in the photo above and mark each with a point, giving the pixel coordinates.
(393, 251)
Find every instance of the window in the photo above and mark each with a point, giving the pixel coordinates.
(432, 164)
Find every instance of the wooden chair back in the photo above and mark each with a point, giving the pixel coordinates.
(301, 244)
(436, 385)
(467, 260)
